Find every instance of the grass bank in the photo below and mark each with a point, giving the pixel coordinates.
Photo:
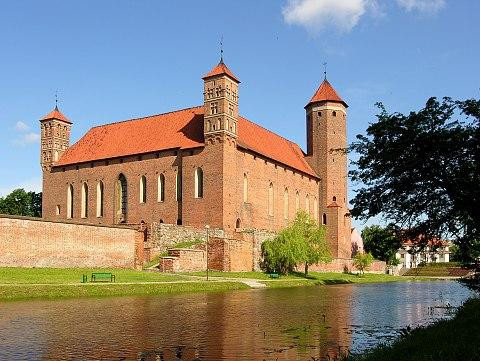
(57, 291)
(314, 278)
(54, 283)
(51, 283)
(447, 340)
(13, 275)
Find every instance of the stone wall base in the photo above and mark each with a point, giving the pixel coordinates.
(346, 265)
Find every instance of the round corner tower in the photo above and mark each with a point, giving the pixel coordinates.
(326, 120)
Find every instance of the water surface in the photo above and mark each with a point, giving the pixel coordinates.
(304, 323)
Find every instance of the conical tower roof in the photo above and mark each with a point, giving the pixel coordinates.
(326, 92)
(56, 114)
(221, 69)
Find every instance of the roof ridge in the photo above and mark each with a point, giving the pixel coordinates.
(145, 117)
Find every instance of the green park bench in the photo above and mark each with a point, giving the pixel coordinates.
(102, 277)
(273, 275)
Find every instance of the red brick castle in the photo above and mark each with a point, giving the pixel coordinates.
(201, 165)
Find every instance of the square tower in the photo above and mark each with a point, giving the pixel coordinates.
(55, 138)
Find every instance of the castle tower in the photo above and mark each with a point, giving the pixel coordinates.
(220, 129)
(55, 138)
(220, 92)
(326, 138)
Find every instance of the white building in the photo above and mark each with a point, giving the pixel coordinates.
(410, 255)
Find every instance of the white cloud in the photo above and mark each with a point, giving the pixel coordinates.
(423, 6)
(21, 126)
(33, 184)
(316, 15)
(27, 138)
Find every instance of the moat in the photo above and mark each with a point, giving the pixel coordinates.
(304, 323)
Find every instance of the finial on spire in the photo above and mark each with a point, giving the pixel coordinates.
(221, 50)
(325, 70)
(56, 99)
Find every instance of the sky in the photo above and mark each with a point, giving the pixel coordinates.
(112, 60)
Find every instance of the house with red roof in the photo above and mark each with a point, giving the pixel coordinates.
(202, 165)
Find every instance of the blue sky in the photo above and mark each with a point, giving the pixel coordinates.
(113, 60)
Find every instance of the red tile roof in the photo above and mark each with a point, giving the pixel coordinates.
(325, 92)
(220, 69)
(179, 129)
(56, 114)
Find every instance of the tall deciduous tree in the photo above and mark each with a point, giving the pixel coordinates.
(303, 242)
(381, 243)
(22, 203)
(421, 172)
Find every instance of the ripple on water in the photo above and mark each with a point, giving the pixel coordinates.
(295, 324)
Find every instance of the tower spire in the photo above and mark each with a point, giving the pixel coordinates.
(325, 70)
(221, 50)
(56, 99)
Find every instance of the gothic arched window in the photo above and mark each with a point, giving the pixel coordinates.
(100, 199)
(143, 189)
(198, 183)
(285, 203)
(297, 201)
(84, 200)
(324, 219)
(161, 188)
(307, 204)
(178, 187)
(70, 201)
(270, 199)
(245, 188)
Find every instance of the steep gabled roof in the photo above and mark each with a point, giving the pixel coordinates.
(221, 69)
(325, 92)
(182, 129)
(56, 114)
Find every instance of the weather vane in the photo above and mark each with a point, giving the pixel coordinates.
(56, 99)
(325, 69)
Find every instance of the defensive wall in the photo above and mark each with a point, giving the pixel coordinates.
(33, 242)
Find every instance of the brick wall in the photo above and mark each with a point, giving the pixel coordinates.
(164, 236)
(342, 265)
(29, 242)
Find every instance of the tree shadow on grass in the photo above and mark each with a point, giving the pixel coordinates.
(336, 282)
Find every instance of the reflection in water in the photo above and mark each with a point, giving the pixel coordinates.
(311, 323)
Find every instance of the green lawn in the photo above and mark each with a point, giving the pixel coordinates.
(56, 291)
(298, 278)
(49, 283)
(448, 340)
(74, 275)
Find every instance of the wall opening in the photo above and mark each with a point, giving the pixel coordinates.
(161, 188)
(70, 201)
(100, 197)
(84, 200)
(122, 198)
(143, 189)
(198, 183)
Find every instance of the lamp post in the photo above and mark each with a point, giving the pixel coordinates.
(207, 227)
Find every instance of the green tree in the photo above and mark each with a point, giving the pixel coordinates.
(420, 171)
(381, 242)
(303, 242)
(22, 203)
(362, 261)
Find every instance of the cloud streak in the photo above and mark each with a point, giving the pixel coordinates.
(422, 6)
